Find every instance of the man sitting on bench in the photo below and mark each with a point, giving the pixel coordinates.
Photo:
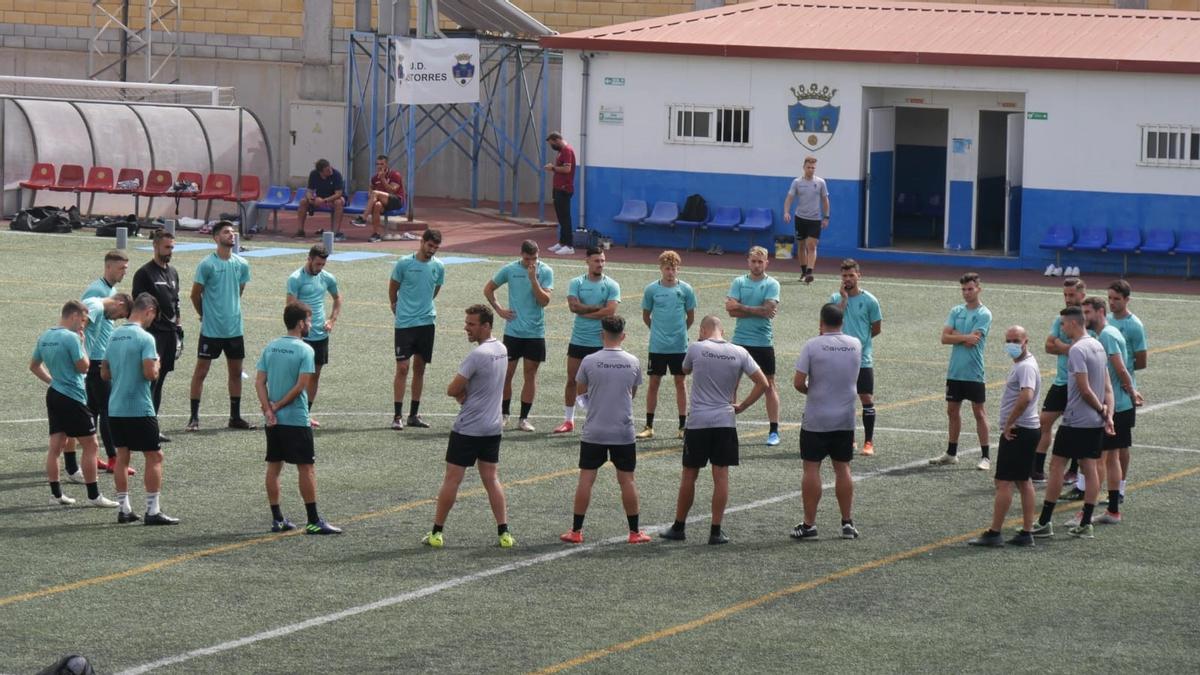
(326, 192)
(387, 194)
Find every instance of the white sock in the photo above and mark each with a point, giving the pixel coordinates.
(568, 413)
(151, 503)
(123, 502)
(1080, 482)
(1122, 488)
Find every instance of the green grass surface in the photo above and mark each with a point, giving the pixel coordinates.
(908, 596)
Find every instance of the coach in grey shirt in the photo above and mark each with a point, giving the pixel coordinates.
(827, 373)
(1088, 416)
(608, 379)
(478, 387)
(716, 367)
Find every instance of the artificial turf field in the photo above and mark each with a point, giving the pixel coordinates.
(219, 593)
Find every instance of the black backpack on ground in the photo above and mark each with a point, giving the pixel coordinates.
(695, 209)
(46, 219)
(107, 226)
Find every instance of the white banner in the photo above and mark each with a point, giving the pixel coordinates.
(436, 71)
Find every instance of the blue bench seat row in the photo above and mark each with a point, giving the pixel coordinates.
(1123, 240)
(281, 197)
(636, 213)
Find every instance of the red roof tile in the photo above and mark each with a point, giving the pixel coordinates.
(915, 32)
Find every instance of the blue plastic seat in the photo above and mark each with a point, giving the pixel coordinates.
(294, 204)
(633, 212)
(664, 214)
(1057, 238)
(276, 198)
(1189, 245)
(358, 203)
(1159, 240)
(1125, 240)
(725, 218)
(1091, 238)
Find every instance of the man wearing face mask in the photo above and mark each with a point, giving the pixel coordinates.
(1019, 434)
(563, 168)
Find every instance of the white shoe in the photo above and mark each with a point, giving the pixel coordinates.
(565, 250)
(63, 500)
(1075, 520)
(524, 425)
(1049, 270)
(554, 248)
(944, 460)
(76, 477)
(984, 464)
(103, 502)
(1073, 271)
(1058, 272)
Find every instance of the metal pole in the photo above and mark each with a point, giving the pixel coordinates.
(374, 95)
(149, 40)
(516, 128)
(350, 107)
(501, 91)
(542, 135)
(122, 237)
(410, 148)
(124, 71)
(237, 185)
(476, 142)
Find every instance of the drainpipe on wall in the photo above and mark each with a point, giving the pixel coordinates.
(583, 125)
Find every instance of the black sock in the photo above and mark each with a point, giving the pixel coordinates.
(847, 522)
(71, 461)
(633, 522)
(437, 528)
(506, 407)
(682, 421)
(984, 449)
(413, 406)
(714, 529)
(235, 407)
(1039, 462)
(678, 525)
(398, 408)
(577, 522)
(1114, 501)
(1047, 513)
(868, 423)
(952, 449)
(1088, 510)
(93, 490)
(525, 408)
(195, 408)
(650, 420)
(774, 428)
(56, 488)
(276, 512)
(501, 529)
(311, 509)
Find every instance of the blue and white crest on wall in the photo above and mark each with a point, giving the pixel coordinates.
(812, 119)
(464, 70)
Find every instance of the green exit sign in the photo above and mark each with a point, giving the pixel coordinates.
(1037, 116)
(614, 81)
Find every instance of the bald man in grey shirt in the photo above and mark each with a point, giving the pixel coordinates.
(478, 387)
(716, 367)
(827, 373)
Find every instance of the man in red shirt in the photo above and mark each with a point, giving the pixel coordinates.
(387, 194)
(563, 169)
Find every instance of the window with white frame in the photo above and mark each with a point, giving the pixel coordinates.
(708, 124)
(1170, 145)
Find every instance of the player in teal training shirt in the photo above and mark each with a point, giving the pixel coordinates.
(753, 300)
(966, 331)
(668, 310)
(309, 285)
(415, 283)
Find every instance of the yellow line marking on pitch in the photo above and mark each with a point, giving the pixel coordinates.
(740, 607)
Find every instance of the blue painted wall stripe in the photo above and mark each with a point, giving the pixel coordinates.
(958, 224)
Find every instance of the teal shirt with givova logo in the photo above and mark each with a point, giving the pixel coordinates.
(59, 350)
(283, 360)
(100, 327)
(862, 310)
(754, 331)
(128, 349)
(221, 303)
(668, 307)
(586, 332)
(530, 321)
(311, 289)
(419, 282)
(966, 363)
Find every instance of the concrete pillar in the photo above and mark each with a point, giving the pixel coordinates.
(318, 32)
(394, 17)
(362, 15)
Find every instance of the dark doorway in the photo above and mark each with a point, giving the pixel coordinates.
(990, 181)
(919, 196)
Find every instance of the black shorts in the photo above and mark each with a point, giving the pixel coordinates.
(164, 344)
(68, 416)
(764, 357)
(394, 203)
(211, 348)
(718, 445)
(530, 349)
(1123, 422)
(806, 228)
(593, 456)
(1078, 442)
(97, 390)
(465, 450)
(815, 446)
(958, 391)
(415, 341)
(135, 434)
(1056, 399)
(575, 351)
(661, 363)
(291, 444)
(320, 352)
(866, 381)
(1014, 459)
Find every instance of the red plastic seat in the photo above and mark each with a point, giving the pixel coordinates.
(70, 179)
(99, 179)
(191, 177)
(128, 174)
(40, 178)
(249, 190)
(157, 183)
(218, 186)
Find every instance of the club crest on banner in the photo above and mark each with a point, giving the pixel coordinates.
(813, 119)
(463, 70)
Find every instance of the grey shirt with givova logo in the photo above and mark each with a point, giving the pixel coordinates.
(484, 369)
(1024, 375)
(716, 366)
(831, 362)
(611, 375)
(1086, 356)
